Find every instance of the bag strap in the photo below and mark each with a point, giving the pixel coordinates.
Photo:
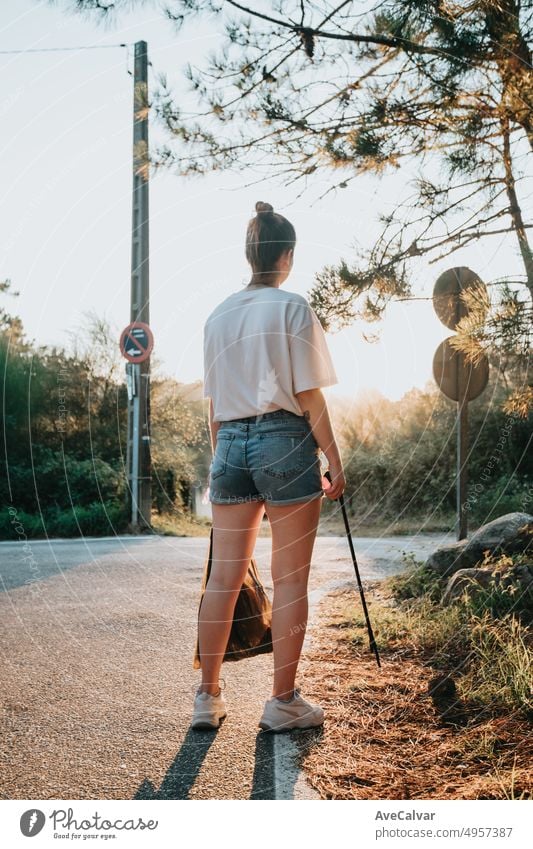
(207, 572)
(210, 555)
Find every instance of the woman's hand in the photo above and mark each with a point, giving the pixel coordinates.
(337, 486)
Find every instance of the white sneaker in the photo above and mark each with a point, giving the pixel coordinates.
(282, 716)
(208, 710)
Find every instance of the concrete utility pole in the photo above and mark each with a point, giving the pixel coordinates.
(138, 374)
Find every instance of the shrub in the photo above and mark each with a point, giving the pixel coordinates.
(19, 525)
(416, 581)
(500, 671)
(96, 519)
(504, 495)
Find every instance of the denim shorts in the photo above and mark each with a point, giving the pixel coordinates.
(269, 457)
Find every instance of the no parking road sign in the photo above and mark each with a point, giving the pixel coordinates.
(136, 342)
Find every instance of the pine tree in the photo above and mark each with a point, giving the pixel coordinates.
(353, 89)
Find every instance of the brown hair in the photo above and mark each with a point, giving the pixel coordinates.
(269, 234)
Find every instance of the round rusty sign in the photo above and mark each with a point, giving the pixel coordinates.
(458, 378)
(447, 302)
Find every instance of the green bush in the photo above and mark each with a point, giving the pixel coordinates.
(416, 581)
(501, 496)
(56, 480)
(400, 457)
(18, 525)
(500, 669)
(65, 481)
(496, 599)
(96, 519)
(491, 659)
(483, 634)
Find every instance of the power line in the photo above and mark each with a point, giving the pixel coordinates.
(55, 49)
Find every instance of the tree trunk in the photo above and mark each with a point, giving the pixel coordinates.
(514, 208)
(513, 58)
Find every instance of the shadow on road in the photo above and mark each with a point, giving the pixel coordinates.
(184, 770)
(264, 780)
(277, 763)
(276, 770)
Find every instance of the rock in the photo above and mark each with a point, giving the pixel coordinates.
(448, 558)
(509, 534)
(519, 576)
(462, 579)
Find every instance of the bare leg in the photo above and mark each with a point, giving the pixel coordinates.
(235, 528)
(294, 528)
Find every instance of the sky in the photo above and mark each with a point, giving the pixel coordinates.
(65, 215)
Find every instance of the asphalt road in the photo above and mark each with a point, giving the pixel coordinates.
(35, 560)
(97, 637)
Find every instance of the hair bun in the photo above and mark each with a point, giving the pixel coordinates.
(263, 208)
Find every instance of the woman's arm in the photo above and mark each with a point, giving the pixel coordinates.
(315, 409)
(213, 426)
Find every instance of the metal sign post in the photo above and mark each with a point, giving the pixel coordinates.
(458, 378)
(135, 506)
(461, 487)
(136, 343)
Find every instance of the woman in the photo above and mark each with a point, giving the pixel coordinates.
(265, 359)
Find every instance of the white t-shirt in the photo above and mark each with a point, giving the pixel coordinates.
(261, 345)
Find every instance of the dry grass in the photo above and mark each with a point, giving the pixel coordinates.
(330, 524)
(386, 736)
(180, 526)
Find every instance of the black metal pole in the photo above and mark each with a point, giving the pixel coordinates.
(373, 646)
